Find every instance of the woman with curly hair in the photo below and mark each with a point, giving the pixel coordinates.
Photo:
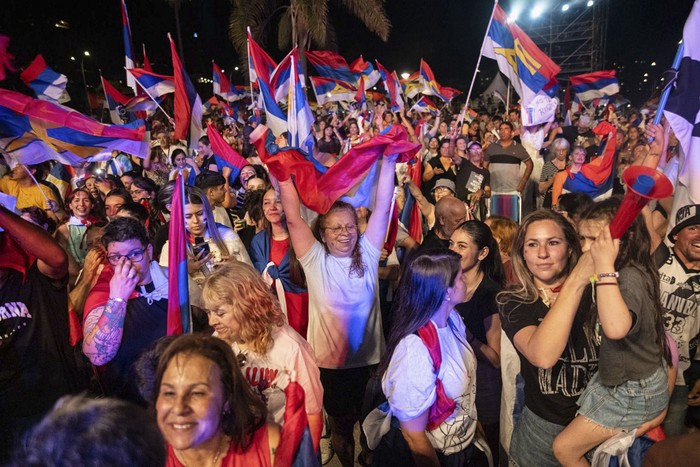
(245, 314)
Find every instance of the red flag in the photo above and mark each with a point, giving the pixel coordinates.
(146, 62)
(178, 278)
(188, 105)
(223, 149)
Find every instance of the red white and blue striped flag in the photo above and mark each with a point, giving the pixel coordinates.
(392, 86)
(113, 98)
(595, 85)
(154, 84)
(222, 85)
(683, 113)
(188, 104)
(46, 83)
(128, 49)
(178, 278)
(33, 131)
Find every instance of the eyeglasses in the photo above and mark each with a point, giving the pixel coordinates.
(137, 191)
(337, 230)
(134, 255)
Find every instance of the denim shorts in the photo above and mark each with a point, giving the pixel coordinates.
(531, 444)
(625, 406)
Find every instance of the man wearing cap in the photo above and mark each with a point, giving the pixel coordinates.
(679, 272)
(473, 182)
(503, 160)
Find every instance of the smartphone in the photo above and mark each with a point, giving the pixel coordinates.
(199, 248)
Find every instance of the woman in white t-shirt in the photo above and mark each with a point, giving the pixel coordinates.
(345, 328)
(433, 410)
(244, 313)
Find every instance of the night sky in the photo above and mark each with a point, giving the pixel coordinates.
(447, 34)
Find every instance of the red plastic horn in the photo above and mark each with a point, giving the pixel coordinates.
(643, 185)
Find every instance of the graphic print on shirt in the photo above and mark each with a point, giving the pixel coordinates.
(13, 317)
(570, 380)
(261, 379)
(680, 303)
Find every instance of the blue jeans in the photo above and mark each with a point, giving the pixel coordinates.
(674, 423)
(531, 445)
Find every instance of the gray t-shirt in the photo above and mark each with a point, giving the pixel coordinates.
(504, 166)
(637, 355)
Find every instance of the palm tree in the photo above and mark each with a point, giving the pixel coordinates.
(299, 22)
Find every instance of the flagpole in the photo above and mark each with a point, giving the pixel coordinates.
(667, 88)
(149, 95)
(508, 97)
(478, 62)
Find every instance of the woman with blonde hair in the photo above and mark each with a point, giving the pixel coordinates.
(245, 314)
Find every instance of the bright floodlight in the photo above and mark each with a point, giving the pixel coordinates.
(537, 11)
(590, 3)
(235, 68)
(405, 75)
(653, 63)
(565, 7)
(86, 53)
(72, 58)
(515, 12)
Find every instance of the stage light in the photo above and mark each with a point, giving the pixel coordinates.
(515, 12)
(653, 63)
(537, 11)
(590, 3)
(405, 75)
(565, 7)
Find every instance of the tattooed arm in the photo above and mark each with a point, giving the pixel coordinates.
(103, 332)
(104, 325)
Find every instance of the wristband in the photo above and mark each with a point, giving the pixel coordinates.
(603, 275)
(117, 299)
(605, 283)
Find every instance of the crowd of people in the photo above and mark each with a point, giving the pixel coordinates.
(508, 326)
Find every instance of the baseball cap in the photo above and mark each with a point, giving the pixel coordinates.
(686, 216)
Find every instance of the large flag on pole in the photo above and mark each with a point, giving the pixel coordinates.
(33, 131)
(222, 85)
(369, 74)
(683, 113)
(155, 85)
(331, 90)
(595, 85)
(47, 84)
(260, 65)
(188, 105)
(331, 65)
(178, 320)
(526, 66)
(300, 119)
(128, 49)
(393, 87)
(113, 98)
(430, 85)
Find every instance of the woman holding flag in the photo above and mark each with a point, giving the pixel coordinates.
(345, 327)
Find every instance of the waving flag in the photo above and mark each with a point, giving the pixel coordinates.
(300, 120)
(360, 95)
(319, 189)
(392, 86)
(527, 67)
(223, 150)
(178, 278)
(596, 177)
(113, 98)
(412, 86)
(281, 76)
(34, 131)
(369, 74)
(46, 83)
(222, 85)
(683, 113)
(425, 105)
(128, 49)
(430, 85)
(155, 85)
(331, 65)
(331, 90)
(146, 62)
(296, 447)
(188, 105)
(595, 85)
(276, 119)
(260, 65)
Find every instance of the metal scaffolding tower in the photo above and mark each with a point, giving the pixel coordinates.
(572, 34)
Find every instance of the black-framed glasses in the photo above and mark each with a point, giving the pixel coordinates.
(337, 230)
(134, 255)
